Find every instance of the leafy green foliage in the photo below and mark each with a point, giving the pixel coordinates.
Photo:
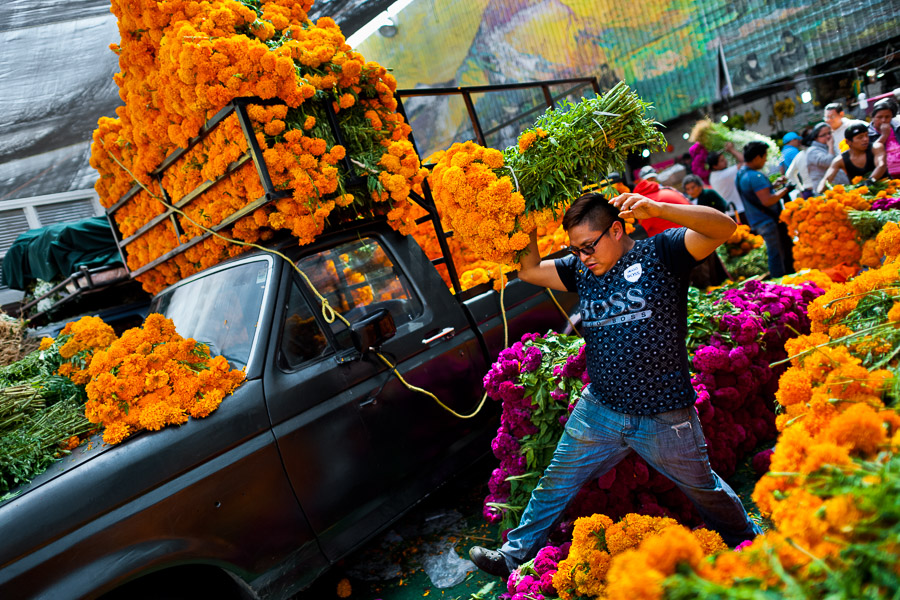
(584, 142)
(869, 222)
(752, 264)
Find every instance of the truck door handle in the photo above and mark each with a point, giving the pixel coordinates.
(445, 332)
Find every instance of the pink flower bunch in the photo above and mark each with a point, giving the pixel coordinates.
(534, 579)
(537, 399)
(885, 203)
(699, 154)
(735, 385)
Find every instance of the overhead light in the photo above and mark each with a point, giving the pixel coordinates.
(806, 97)
(870, 73)
(880, 75)
(645, 153)
(385, 18)
(724, 118)
(686, 136)
(388, 29)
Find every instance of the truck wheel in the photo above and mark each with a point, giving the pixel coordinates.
(188, 582)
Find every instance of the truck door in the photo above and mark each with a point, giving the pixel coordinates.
(358, 446)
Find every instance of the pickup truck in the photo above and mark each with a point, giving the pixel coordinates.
(320, 448)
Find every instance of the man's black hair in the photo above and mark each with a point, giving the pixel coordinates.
(592, 209)
(885, 104)
(691, 179)
(712, 159)
(835, 106)
(754, 149)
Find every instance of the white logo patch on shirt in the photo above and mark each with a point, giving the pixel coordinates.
(633, 273)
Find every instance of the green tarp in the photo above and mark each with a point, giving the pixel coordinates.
(56, 251)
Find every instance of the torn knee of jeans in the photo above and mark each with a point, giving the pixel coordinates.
(686, 427)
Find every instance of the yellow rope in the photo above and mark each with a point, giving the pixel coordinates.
(562, 310)
(328, 312)
(429, 394)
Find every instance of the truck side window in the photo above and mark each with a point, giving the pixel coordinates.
(301, 337)
(358, 278)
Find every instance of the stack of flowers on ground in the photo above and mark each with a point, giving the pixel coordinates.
(744, 254)
(825, 235)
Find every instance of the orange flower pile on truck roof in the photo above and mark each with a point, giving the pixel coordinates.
(181, 62)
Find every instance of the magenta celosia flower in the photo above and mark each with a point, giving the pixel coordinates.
(503, 443)
(532, 359)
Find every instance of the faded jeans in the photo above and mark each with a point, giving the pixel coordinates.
(596, 439)
(778, 246)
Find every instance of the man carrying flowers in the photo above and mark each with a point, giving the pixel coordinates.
(633, 300)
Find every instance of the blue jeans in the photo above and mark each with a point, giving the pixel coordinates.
(778, 247)
(596, 439)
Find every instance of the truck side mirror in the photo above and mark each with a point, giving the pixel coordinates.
(373, 330)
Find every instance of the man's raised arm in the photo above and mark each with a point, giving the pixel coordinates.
(539, 272)
(707, 228)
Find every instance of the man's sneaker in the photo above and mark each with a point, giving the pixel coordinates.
(489, 561)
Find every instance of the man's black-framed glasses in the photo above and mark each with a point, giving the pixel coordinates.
(588, 249)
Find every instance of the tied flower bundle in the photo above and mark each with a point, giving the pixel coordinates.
(182, 61)
(152, 377)
(42, 401)
(493, 200)
(538, 380)
(748, 328)
(534, 579)
(822, 227)
(832, 488)
(630, 558)
(744, 254)
(473, 270)
(714, 136)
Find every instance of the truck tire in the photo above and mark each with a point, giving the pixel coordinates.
(188, 582)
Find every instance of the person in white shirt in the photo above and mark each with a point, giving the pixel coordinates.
(722, 178)
(798, 174)
(834, 117)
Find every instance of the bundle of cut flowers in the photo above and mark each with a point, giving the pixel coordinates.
(474, 270)
(152, 377)
(88, 379)
(714, 136)
(42, 401)
(744, 254)
(825, 233)
(607, 559)
(493, 200)
(183, 61)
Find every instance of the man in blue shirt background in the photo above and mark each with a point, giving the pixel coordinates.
(762, 207)
(789, 150)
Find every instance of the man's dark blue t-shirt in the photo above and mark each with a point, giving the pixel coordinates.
(635, 325)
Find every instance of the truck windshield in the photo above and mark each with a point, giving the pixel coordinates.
(221, 309)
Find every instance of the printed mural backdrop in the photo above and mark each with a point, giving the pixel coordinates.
(667, 49)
